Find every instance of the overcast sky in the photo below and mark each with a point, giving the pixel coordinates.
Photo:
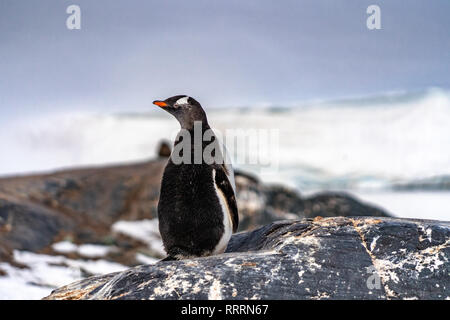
(232, 52)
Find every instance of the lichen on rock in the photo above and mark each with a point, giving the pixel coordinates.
(329, 258)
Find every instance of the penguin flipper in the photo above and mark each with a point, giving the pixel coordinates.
(223, 183)
(228, 167)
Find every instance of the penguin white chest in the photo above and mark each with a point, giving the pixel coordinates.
(227, 222)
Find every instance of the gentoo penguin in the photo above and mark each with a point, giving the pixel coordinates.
(197, 208)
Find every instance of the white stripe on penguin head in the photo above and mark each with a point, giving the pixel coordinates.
(183, 100)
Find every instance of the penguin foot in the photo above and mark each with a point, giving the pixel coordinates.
(168, 258)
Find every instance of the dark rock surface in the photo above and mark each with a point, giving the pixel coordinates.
(24, 219)
(324, 258)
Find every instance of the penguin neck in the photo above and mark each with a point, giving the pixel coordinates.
(189, 119)
(195, 133)
(195, 125)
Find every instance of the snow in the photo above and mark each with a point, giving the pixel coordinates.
(145, 230)
(45, 273)
(94, 250)
(65, 247)
(12, 288)
(144, 259)
(86, 250)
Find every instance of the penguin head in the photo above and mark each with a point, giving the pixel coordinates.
(185, 109)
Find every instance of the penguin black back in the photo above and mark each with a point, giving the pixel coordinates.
(197, 208)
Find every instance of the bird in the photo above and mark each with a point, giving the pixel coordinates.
(197, 209)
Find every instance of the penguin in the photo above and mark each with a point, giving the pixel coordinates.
(197, 208)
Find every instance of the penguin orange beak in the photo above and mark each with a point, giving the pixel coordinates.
(161, 104)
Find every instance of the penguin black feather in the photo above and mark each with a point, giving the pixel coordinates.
(197, 208)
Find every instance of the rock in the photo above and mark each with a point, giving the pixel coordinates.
(333, 204)
(99, 196)
(322, 258)
(437, 183)
(79, 204)
(260, 204)
(164, 149)
(83, 204)
(28, 226)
